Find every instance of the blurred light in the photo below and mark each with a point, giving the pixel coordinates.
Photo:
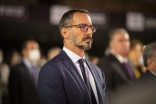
(98, 18)
(56, 12)
(135, 21)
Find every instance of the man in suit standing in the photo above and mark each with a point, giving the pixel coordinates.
(23, 77)
(116, 66)
(69, 78)
(143, 92)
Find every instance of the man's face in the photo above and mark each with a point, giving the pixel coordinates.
(152, 64)
(80, 38)
(32, 52)
(120, 44)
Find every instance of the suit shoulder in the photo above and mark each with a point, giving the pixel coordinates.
(51, 64)
(18, 67)
(54, 61)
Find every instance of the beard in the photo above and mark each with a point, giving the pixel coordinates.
(78, 44)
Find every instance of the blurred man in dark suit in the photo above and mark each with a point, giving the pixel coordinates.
(143, 92)
(23, 77)
(116, 66)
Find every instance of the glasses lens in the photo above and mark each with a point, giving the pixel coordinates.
(83, 27)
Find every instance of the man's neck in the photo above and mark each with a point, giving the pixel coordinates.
(76, 50)
(118, 56)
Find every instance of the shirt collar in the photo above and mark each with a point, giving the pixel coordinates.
(153, 73)
(27, 63)
(119, 57)
(73, 56)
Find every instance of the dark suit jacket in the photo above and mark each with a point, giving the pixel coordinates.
(22, 89)
(148, 77)
(61, 83)
(115, 73)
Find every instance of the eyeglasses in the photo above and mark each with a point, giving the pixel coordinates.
(84, 27)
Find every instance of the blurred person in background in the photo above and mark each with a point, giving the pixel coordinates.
(42, 61)
(94, 59)
(24, 76)
(107, 51)
(4, 76)
(117, 67)
(149, 57)
(53, 52)
(143, 92)
(69, 78)
(136, 56)
(13, 58)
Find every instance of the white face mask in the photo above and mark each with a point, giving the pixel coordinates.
(141, 61)
(34, 55)
(1, 59)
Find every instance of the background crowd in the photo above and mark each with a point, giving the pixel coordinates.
(122, 64)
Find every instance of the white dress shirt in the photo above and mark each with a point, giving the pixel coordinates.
(119, 57)
(74, 57)
(153, 73)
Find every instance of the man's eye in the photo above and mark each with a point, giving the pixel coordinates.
(83, 26)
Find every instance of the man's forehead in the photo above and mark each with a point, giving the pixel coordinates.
(121, 35)
(32, 44)
(81, 18)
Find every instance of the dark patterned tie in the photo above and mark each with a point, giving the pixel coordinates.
(90, 91)
(129, 70)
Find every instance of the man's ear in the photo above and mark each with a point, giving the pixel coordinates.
(149, 62)
(65, 32)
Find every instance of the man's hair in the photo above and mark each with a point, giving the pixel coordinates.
(68, 16)
(149, 52)
(135, 42)
(114, 31)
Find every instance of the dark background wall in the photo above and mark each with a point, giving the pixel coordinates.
(36, 25)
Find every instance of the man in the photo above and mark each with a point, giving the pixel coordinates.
(68, 78)
(53, 52)
(23, 77)
(149, 57)
(116, 66)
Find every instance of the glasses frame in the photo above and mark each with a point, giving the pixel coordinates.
(92, 27)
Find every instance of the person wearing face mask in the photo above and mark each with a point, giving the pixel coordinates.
(23, 77)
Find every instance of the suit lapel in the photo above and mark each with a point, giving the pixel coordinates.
(72, 69)
(98, 86)
(119, 68)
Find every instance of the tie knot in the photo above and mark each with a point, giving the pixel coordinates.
(81, 61)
